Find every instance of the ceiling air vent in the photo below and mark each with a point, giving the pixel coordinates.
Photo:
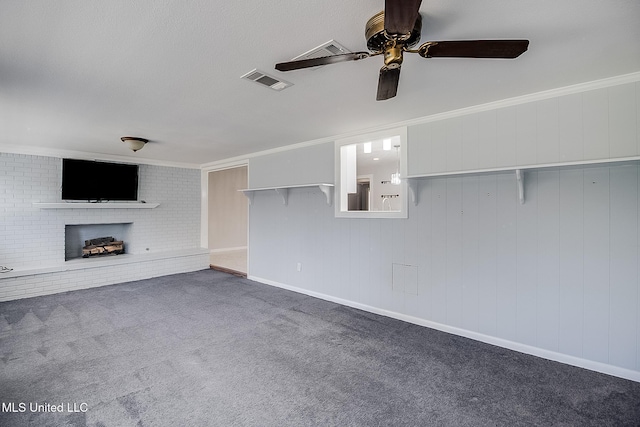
(266, 80)
(329, 48)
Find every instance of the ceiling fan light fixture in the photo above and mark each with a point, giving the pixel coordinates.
(134, 143)
(395, 31)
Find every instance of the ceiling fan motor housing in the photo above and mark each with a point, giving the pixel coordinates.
(378, 40)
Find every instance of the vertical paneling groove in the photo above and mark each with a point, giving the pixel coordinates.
(438, 255)
(571, 260)
(470, 152)
(426, 249)
(453, 260)
(454, 144)
(487, 255)
(622, 121)
(596, 124)
(624, 269)
(470, 230)
(638, 258)
(548, 264)
(506, 137)
(526, 262)
(506, 243)
(526, 134)
(637, 107)
(438, 146)
(487, 128)
(596, 264)
(570, 128)
(411, 297)
(373, 294)
(547, 141)
(419, 158)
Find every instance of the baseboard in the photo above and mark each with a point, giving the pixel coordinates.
(511, 345)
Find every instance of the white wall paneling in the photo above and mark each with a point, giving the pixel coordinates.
(506, 257)
(638, 117)
(596, 263)
(487, 267)
(470, 230)
(571, 262)
(556, 276)
(307, 165)
(570, 129)
(559, 273)
(600, 124)
(506, 137)
(547, 257)
(595, 122)
(622, 121)
(547, 142)
(470, 138)
(527, 124)
(526, 226)
(623, 270)
(438, 144)
(487, 140)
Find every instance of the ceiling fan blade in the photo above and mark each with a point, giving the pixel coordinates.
(506, 49)
(325, 60)
(388, 83)
(400, 15)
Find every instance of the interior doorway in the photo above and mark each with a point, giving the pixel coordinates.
(228, 220)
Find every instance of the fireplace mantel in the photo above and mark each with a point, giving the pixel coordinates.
(106, 205)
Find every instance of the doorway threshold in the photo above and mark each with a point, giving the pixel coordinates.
(228, 270)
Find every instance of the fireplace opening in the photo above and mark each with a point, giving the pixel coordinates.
(92, 240)
(102, 246)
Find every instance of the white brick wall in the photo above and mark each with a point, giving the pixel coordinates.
(32, 238)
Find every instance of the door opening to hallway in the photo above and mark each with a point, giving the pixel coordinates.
(228, 219)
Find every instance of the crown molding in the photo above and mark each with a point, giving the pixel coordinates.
(82, 155)
(533, 97)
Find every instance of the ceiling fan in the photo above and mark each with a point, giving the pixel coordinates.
(395, 31)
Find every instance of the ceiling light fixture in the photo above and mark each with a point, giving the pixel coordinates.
(367, 147)
(134, 143)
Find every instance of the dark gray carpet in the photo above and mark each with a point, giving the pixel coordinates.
(211, 349)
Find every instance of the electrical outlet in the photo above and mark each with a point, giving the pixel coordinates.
(299, 266)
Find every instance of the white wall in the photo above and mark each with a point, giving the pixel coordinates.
(227, 210)
(593, 125)
(33, 239)
(305, 165)
(556, 277)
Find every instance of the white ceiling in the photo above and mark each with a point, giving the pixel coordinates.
(77, 75)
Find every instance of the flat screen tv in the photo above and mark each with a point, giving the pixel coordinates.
(99, 181)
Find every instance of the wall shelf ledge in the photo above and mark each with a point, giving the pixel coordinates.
(283, 191)
(414, 180)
